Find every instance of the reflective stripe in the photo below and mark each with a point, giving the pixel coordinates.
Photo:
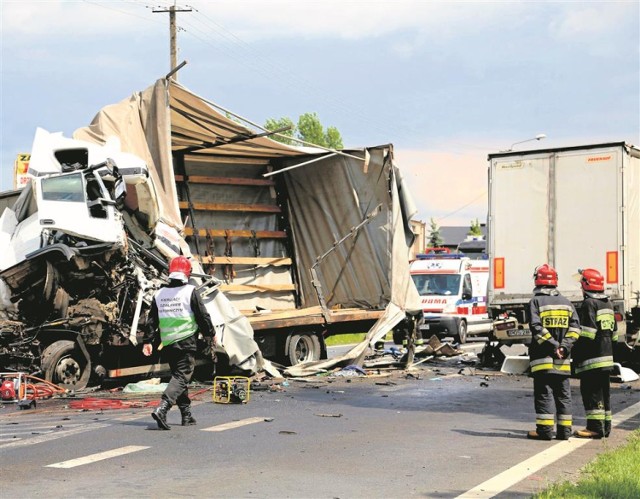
(614, 338)
(566, 417)
(544, 416)
(572, 334)
(595, 417)
(588, 332)
(595, 363)
(557, 307)
(566, 422)
(543, 337)
(545, 363)
(548, 364)
(545, 422)
(608, 416)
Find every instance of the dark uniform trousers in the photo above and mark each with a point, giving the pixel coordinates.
(182, 364)
(595, 391)
(552, 394)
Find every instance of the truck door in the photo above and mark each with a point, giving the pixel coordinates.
(77, 203)
(518, 241)
(588, 228)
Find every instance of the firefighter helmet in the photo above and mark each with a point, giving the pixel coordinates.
(545, 275)
(591, 280)
(180, 268)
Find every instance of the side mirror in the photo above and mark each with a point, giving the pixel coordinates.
(466, 295)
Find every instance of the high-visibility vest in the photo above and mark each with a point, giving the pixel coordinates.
(176, 319)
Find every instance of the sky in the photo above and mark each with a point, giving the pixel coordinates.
(447, 83)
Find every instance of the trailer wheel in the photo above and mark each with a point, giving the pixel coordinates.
(64, 365)
(461, 337)
(303, 347)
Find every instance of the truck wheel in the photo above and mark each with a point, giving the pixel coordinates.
(461, 337)
(303, 348)
(63, 364)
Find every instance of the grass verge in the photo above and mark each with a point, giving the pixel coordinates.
(348, 339)
(614, 474)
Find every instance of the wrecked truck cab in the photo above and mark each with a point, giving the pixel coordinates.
(67, 276)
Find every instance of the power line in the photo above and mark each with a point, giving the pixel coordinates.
(484, 193)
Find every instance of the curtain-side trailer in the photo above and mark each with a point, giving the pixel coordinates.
(308, 242)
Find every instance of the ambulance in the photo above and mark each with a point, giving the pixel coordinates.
(453, 291)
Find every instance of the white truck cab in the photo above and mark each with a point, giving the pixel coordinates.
(453, 291)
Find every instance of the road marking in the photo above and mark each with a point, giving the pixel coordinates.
(100, 456)
(51, 436)
(519, 472)
(9, 439)
(234, 424)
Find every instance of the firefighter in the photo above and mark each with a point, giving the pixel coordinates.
(593, 354)
(178, 315)
(555, 326)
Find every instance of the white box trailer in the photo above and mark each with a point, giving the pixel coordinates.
(573, 208)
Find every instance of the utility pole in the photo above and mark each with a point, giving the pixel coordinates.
(172, 35)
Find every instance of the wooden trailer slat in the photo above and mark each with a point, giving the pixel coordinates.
(262, 208)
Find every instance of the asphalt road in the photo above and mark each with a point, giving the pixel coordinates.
(438, 431)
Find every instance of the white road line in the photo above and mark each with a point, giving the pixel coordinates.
(519, 472)
(51, 436)
(100, 456)
(39, 430)
(9, 440)
(234, 424)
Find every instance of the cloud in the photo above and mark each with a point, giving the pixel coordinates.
(447, 186)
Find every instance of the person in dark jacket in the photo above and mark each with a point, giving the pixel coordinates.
(177, 316)
(593, 354)
(554, 326)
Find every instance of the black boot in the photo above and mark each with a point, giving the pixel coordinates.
(160, 414)
(187, 417)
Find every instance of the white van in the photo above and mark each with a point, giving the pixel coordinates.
(453, 291)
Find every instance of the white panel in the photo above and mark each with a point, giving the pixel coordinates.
(587, 214)
(519, 228)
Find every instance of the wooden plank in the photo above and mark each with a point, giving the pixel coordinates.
(309, 316)
(285, 314)
(262, 208)
(257, 288)
(198, 158)
(260, 234)
(200, 179)
(244, 260)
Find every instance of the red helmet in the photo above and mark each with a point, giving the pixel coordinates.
(180, 264)
(545, 275)
(592, 280)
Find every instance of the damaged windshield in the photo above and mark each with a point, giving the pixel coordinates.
(63, 188)
(437, 284)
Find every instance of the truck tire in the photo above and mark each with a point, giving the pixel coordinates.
(461, 337)
(303, 347)
(63, 364)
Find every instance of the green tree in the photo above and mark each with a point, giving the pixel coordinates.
(273, 124)
(334, 140)
(309, 129)
(474, 228)
(435, 240)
